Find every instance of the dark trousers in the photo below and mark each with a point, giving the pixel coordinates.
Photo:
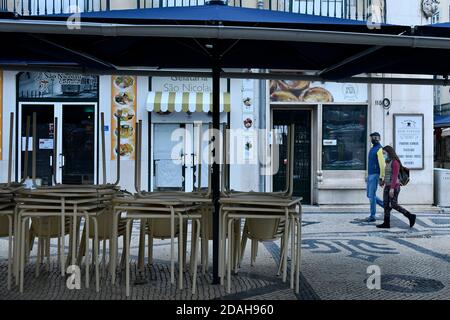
(392, 203)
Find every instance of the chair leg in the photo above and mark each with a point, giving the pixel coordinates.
(193, 240)
(38, 257)
(298, 243)
(123, 257)
(285, 248)
(253, 249)
(185, 236)
(10, 249)
(230, 254)
(243, 243)
(141, 254)
(86, 248)
(293, 256)
(127, 258)
(82, 252)
(181, 254)
(195, 249)
(150, 244)
(96, 247)
(22, 254)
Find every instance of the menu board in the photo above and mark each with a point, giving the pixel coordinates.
(1, 114)
(123, 104)
(408, 139)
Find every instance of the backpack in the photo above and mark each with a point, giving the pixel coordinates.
(403, 175)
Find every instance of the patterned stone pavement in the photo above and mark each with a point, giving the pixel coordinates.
(337, 250)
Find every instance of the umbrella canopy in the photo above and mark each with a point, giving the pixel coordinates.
(104, 51)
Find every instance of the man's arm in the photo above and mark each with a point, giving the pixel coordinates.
(381, 163)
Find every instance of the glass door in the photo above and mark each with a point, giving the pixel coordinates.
(43, 143)
(77, 155)
(302, 151)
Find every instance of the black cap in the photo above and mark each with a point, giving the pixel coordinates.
(375, 134)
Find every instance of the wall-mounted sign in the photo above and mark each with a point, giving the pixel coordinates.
(47, 85)
(45, 144)
(185, 84)
(408, 139)
(330, 142)
(123, 104)
(299, 91)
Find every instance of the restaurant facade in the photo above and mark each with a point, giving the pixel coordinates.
(332, 126)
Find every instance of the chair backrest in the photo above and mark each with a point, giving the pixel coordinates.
(48, 227)
(161, 227)
(104, 223)
(4, 226)
(265, 229)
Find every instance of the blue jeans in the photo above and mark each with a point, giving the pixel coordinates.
(372, 185)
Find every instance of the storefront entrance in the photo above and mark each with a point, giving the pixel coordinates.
(76, 142)
(176, 156)
(302, 151)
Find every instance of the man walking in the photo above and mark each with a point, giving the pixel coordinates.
(375, 174)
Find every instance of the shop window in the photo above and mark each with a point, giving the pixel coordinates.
(344, 134)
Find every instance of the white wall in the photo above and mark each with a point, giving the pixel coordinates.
(9, 105)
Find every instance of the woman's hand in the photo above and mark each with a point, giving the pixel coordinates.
(391, 193)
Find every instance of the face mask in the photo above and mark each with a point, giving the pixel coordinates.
(386, 157)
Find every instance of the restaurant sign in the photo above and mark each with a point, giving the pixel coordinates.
(47, 85)
(300, 91)
(408, 139)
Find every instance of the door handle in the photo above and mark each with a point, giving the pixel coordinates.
(62, 160)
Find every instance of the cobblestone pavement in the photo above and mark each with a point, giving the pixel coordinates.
(337, 249)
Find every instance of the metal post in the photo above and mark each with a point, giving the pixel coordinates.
(215, 176)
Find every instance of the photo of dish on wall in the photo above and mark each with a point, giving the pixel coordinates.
(298, 91)
(125, 149)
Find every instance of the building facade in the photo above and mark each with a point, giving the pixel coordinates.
(332, 121)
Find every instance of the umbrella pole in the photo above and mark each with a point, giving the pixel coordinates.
(215, 177)
(11, 137)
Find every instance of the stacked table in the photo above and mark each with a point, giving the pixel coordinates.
(253, 205)
(61, 201)
(179, 206)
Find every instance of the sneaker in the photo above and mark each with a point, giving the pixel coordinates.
(371, 219)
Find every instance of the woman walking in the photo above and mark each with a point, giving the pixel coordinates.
(392, 189)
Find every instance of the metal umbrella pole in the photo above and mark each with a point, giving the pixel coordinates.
(215, 176)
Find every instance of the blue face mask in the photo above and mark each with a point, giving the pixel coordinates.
(386, 157)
